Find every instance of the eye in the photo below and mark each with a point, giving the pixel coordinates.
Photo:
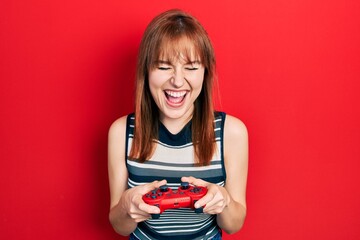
(191, 68)
(164, 68)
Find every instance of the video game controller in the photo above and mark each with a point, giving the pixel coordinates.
(184, 197)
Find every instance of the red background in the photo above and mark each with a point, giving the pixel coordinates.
(290, 69)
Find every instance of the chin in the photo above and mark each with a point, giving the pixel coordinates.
(174, 114)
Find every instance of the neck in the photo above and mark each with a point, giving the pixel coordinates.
(175, 125)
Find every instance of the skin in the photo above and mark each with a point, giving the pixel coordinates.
(175, 87)
(174, 79)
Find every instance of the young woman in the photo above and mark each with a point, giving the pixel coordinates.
(175, 136)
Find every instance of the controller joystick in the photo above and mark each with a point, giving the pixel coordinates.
(184, 197)
(184, 185)
(164, 188)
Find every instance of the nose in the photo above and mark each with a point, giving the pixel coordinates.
(178, 79)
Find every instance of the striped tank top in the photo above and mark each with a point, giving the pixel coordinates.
(174, 158)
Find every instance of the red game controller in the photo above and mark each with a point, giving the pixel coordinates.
(184, 197)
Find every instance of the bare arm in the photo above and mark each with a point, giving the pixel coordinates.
(236, 164)
(120, 220)
(126, 205)
(229, 202)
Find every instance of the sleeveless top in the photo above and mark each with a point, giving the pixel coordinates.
(174, 158)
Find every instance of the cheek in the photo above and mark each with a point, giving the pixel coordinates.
(157, 79)
(197, 80)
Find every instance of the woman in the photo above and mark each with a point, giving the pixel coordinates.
(175, 136)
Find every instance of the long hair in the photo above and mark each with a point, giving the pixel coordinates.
(160, 38)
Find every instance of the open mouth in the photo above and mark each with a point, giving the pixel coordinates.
(175, 97)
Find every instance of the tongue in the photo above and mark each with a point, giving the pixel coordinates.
(174, 99)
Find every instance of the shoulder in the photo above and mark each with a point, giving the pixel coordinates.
(235, 139)
(234, 128)
(117, 142)
(117, 170)
(118, 128)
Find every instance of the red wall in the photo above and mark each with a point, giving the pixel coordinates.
(289, 69)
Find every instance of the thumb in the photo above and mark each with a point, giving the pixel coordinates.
(157, 184)
(153, 185)
(194, 181)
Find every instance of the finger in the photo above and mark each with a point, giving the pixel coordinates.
(194, 181)
(212, 211)
(138, 213)
(217, 204)
(151, 186)
(214, 205)
(149, 209)
(204, 200)
(157, 184)
(140, 218)
(216, 208)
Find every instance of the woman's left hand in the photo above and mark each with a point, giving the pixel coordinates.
(215, 200)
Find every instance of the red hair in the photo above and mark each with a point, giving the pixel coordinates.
(161, 38)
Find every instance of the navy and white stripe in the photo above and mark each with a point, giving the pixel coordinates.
(174, 158)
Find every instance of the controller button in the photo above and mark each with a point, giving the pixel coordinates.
(153, 196)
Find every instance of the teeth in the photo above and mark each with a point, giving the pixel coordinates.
(176, 94)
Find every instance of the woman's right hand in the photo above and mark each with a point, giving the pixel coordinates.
(134, 205)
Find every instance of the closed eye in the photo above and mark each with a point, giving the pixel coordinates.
(192, 68)
(164, 68)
